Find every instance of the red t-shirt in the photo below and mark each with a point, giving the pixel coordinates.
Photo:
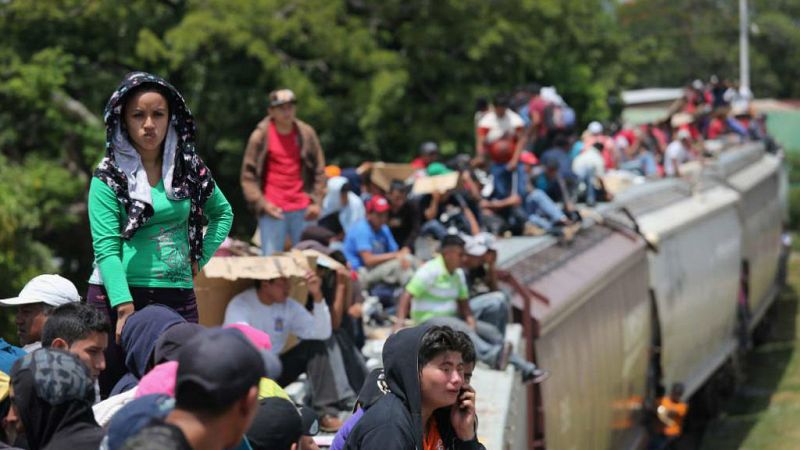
(715, 128)
(283, 182)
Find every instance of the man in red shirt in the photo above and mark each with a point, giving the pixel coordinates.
(283, 173)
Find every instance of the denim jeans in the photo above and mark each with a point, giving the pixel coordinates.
(542, 211)
(505, 181)
(492, 308)
(273, 231)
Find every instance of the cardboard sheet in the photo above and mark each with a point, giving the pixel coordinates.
(441, 183)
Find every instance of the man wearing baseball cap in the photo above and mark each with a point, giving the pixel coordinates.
(216, 395)
(371, 249)
(283, 173)
(40, 296)
(280, 425)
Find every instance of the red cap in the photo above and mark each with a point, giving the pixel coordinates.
(528, 158)
(378, 204)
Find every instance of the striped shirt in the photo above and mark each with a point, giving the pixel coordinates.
(436, 291)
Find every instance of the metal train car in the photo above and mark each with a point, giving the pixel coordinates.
(657, 292)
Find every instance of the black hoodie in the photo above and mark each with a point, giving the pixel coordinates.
(53, 394)
(395, 421)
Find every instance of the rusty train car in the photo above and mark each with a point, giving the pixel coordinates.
(665, 287)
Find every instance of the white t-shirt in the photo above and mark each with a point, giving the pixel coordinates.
(676, 153)
(589, 159)
(280, 319)
(498, 127)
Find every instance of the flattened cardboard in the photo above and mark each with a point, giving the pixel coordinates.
(441, 183)
(382, 173)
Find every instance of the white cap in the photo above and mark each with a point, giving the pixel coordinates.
(53, 290)
(473, 246)
(595, 127)
(684, 134)
(488, 239)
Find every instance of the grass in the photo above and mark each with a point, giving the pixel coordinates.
(765, 412)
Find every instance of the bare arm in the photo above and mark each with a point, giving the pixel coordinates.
(340, 301)
(464, 311)
(372, 260)
(403, 306)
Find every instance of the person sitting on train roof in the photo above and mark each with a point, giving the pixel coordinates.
(404, 215)
(428, 153)
(678, 152)
(589, 168)
(340, 292)
(424, 371)
(671, 411)
(373, 252)
(634, 158)
(438, 295)
(267, 307)
(442, 211)
(501, 136)
(342, 203)
(488, 303)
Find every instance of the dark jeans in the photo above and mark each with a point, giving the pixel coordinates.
(183, 301)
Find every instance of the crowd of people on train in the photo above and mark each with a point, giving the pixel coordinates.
(129, 367)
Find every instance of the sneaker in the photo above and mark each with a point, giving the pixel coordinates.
(330, 424)
(535, 376)
(502, 357)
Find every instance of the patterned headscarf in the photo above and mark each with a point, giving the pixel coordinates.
(53, 393)
(184, 173)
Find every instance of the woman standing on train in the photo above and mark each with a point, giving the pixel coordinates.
(148, 201)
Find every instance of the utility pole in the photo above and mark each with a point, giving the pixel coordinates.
(744, 46)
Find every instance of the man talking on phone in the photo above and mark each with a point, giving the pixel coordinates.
(427, 406)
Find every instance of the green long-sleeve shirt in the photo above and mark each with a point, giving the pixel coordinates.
(158, 253)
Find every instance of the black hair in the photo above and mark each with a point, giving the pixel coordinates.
(452, 240)
(148, 87)
(481, 104)
(345, 188)
(598, 145)
(435, 341)
(73, 322)
(561, 141)
(534, 88)
(190, 396)
(467, 348)
(398, 185)
(501, 101)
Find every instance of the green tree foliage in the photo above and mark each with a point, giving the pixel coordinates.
(672, 42)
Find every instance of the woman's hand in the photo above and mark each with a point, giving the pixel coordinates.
(123, 312)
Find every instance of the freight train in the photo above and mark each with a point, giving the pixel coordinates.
(666, 286)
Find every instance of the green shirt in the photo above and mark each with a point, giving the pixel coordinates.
(436, 291)
(158, 253)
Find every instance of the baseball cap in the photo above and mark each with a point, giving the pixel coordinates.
(277, 425)
(595, 127)
(438, 168)
(310, 421)
(377, 204)
(50, 289)
(684, 134)
(428, 148)
(474, 246)
(281, 96)
(528, 158)
(216, 368)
